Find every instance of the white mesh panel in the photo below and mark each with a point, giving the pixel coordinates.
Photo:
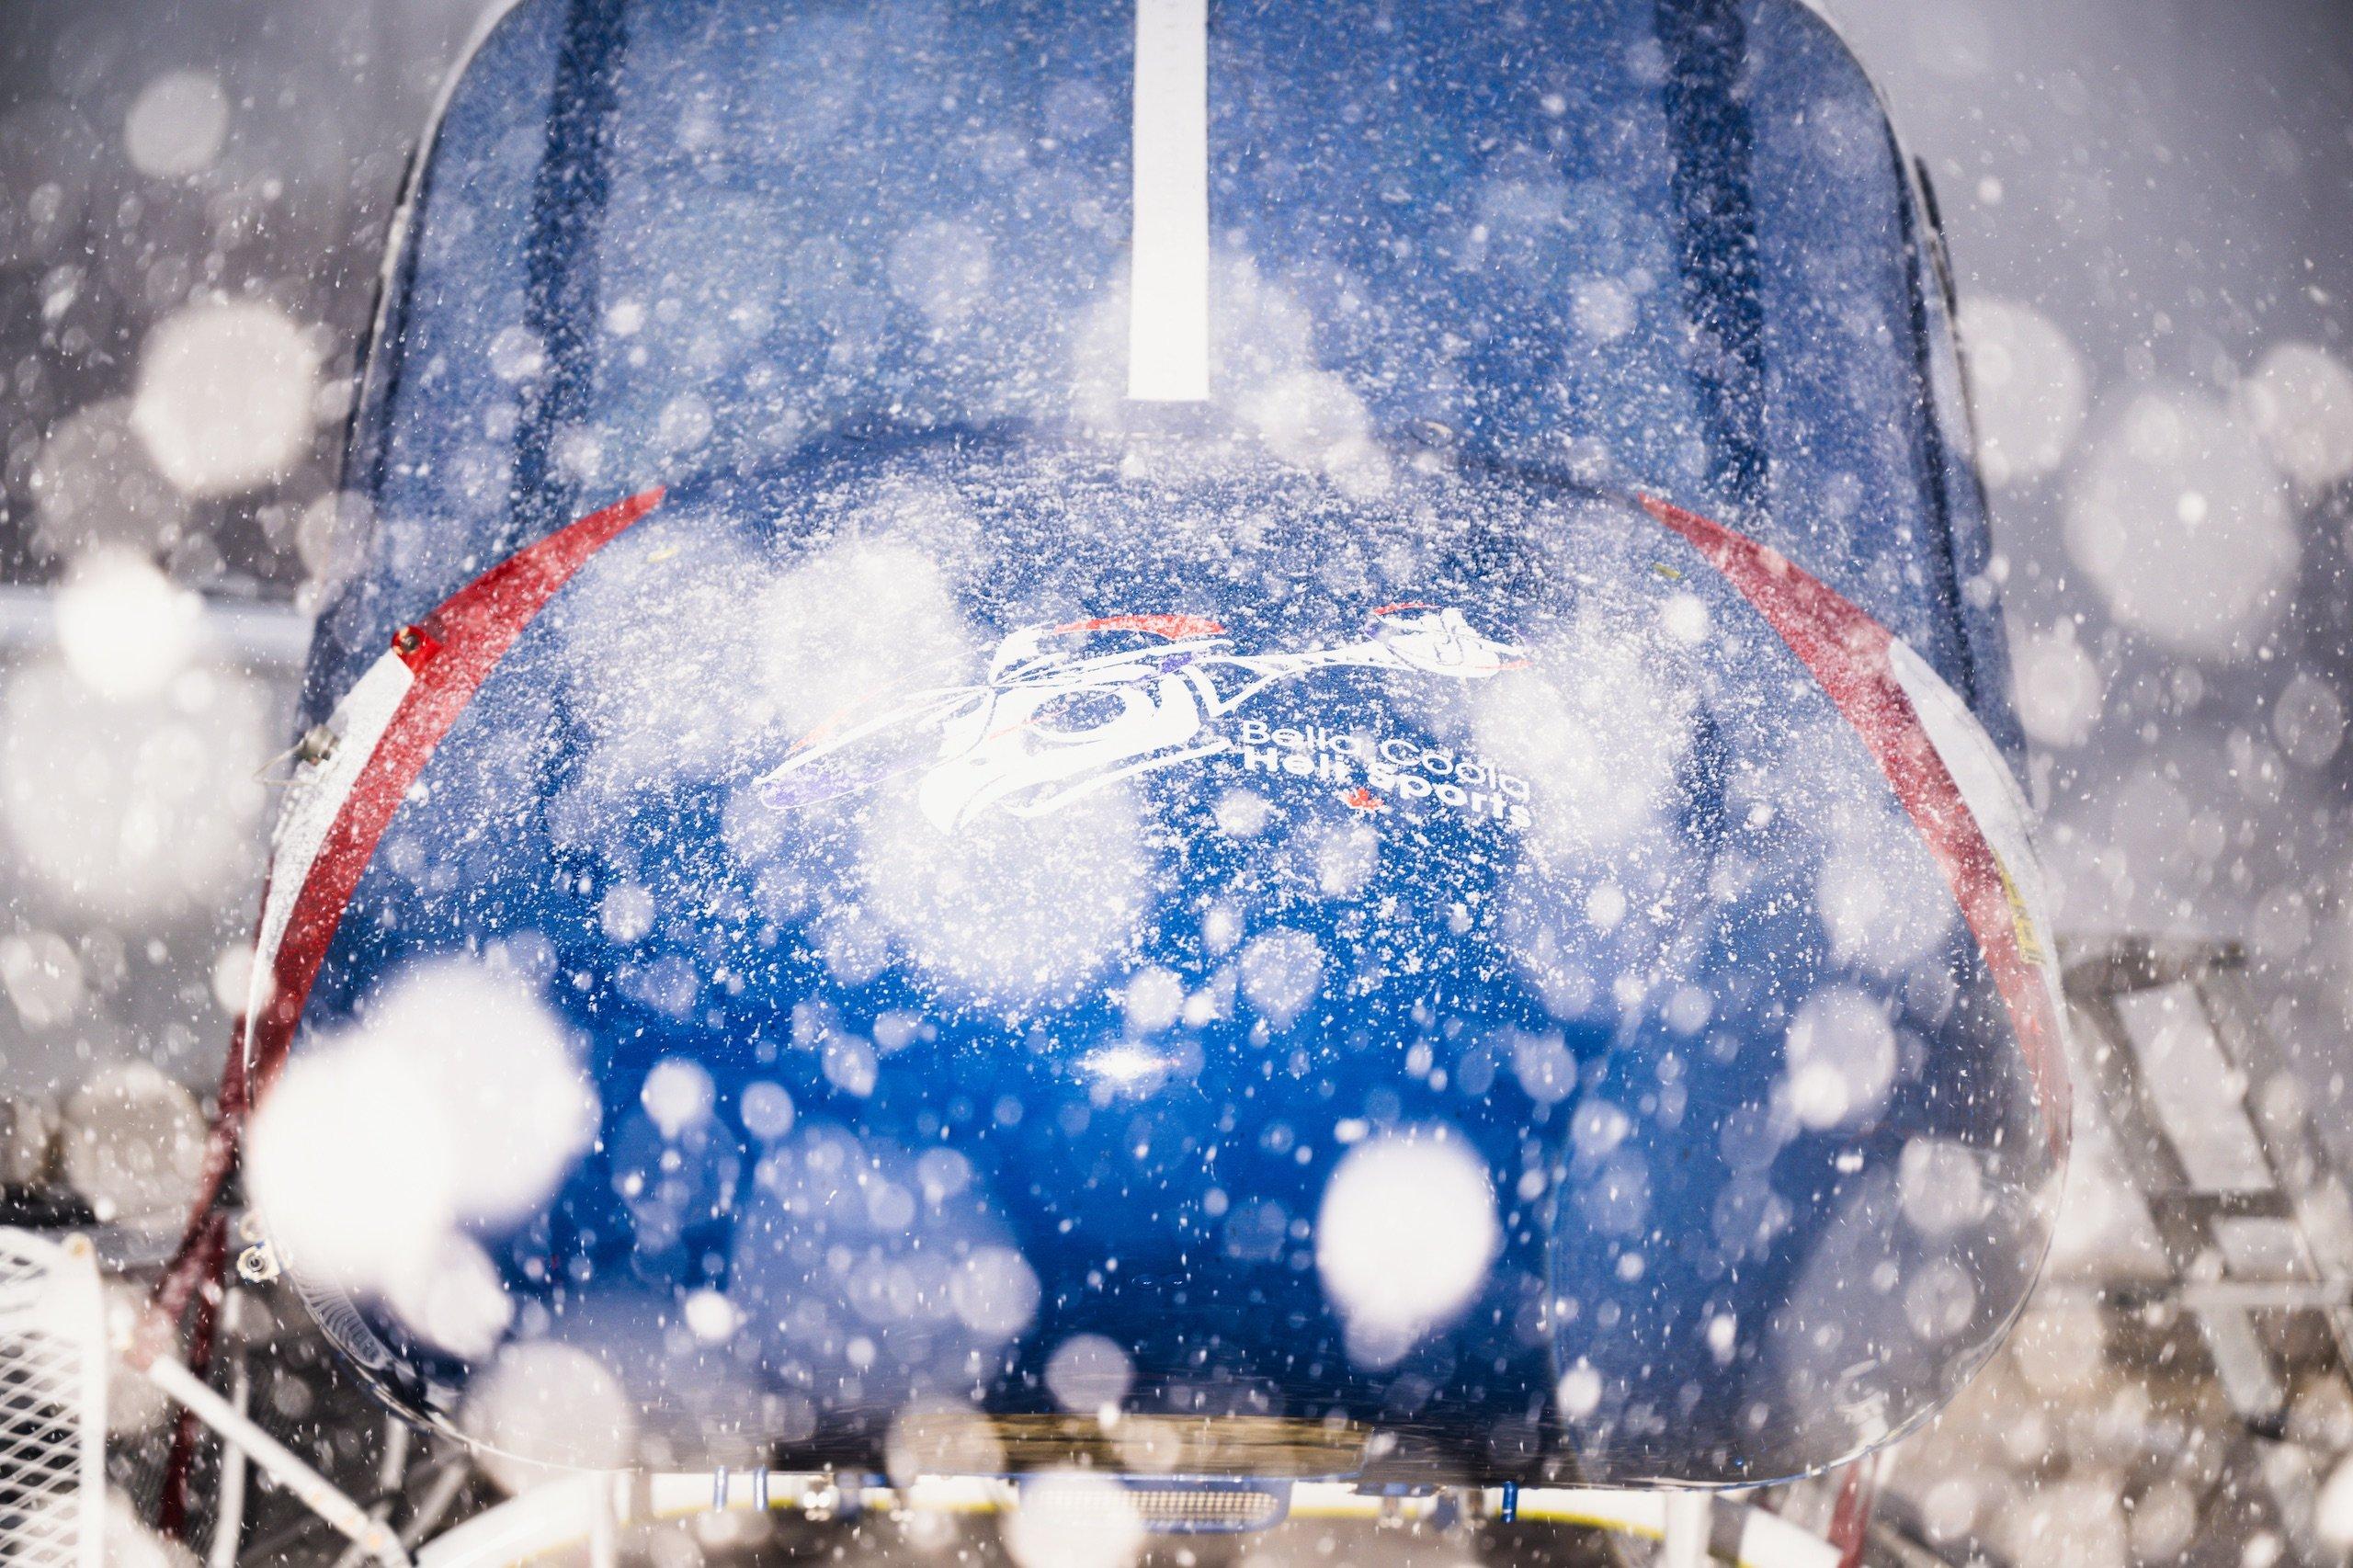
(52, 1404)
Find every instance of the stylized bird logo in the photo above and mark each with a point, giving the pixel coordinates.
(1052, 722)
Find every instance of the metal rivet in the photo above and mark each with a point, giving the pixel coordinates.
(316, 746)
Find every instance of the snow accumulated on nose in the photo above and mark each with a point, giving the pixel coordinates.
(455, 1103)
(1600, 731)
(1008, 909)
(1841, 1057)
(1403, 1238)
(1283, 972)
(854, 622)
(1882, 907)
(657, 642)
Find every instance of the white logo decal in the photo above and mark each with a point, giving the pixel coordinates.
(1052, 722)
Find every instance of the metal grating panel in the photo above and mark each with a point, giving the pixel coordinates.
(2210, 1124)
(53, 1403)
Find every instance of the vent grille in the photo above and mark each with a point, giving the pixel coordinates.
(1181, 1510)
(1162, 1504)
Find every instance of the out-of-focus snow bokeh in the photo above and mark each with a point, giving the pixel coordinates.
(2148, 206)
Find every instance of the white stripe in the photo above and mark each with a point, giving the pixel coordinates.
(1168, 301)
(313, 802)
(1990, 791)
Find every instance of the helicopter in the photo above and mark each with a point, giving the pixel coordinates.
(1302, 707)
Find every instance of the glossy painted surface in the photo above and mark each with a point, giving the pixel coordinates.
(998, 850)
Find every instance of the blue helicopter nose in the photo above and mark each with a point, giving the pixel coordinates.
(1282, 720)
(1443, 969)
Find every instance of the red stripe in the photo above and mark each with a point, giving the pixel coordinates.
(179, 1463)
(1850, 1517)
(1847, 652)
(452, 651)
(482, 619)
